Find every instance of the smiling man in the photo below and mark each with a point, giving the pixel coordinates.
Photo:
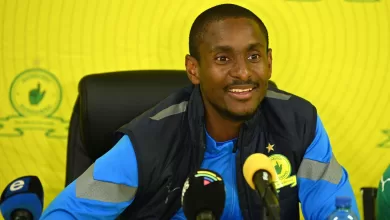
(228, 114)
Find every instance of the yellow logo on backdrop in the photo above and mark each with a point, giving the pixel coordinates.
(386, 142)
(35, 95)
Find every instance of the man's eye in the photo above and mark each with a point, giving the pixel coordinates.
(222, 59)
(254, 57)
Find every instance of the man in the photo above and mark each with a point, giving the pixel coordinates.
(216, 124)
(383, 197)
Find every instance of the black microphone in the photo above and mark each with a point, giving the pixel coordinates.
(203, 196)
(261, 175)
(22, 199)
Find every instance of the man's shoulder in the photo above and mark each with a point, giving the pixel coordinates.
(280, 100)
(173, 105)
(287, 113)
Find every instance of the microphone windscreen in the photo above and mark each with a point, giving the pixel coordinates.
(203, 191)
(257, 162)
(22, 193)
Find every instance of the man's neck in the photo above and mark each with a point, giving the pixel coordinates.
(219, 128)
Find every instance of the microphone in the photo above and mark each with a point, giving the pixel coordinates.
(260, 174)
(22, 199)
(203, 196)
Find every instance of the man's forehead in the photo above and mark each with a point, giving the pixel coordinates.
(233, 30)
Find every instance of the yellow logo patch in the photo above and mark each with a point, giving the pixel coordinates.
(283, 170)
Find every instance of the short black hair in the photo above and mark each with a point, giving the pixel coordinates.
(217, 13)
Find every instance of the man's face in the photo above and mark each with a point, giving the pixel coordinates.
(234, 67)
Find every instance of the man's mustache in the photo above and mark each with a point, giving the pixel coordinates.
(240, 82)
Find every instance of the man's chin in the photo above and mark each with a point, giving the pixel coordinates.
(239, 116)
(243, 117)
(235, 114)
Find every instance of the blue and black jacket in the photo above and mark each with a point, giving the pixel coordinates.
(141, 177)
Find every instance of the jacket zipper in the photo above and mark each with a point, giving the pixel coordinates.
(240, 164)
(234, 173)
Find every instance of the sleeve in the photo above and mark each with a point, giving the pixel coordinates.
(103, 191)
(321, 178)
(383, 197)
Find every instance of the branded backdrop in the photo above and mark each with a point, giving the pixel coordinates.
(334, 53)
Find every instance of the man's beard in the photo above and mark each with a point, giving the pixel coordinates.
(225, 113)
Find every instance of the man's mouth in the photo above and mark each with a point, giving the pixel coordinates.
(241, 92)
(242, 88)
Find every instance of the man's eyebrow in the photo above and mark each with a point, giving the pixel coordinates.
(226, 48)
(221, 48)
(255, 46)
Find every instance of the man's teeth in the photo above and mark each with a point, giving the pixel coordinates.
(241, 90)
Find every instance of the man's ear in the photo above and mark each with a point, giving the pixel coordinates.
(192, 68)
(269, 58)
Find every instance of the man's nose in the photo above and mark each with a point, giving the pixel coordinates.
(241, 70)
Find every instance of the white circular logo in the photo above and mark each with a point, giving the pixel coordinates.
(16, 185)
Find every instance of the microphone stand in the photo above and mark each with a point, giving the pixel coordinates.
(270, 211)
(266, 211)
